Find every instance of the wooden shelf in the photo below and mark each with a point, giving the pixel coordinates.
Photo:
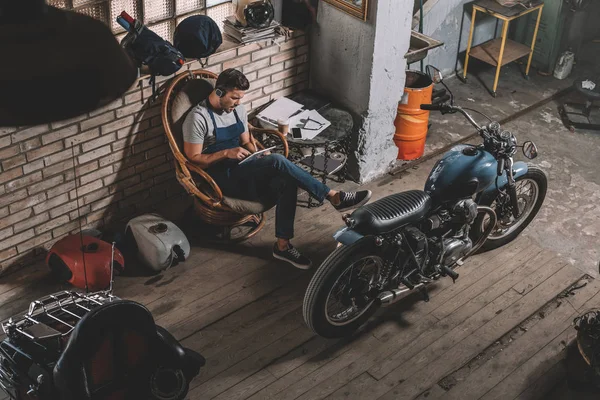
(489, 51)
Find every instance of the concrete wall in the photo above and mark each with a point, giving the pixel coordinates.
(362, 66)
(450, 22)
(342, 56)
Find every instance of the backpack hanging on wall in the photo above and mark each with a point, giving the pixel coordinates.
(197, 36)
(147, 48)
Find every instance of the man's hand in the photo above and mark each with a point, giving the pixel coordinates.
(238, 153)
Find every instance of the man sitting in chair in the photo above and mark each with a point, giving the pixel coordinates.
(216, 138)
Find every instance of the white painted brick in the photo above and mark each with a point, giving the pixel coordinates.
(273, 87)
(260, 102)
(255, 66)
(267, 52)
(6, 232)
(270, 70)
(7, 261)
(63, 209)
(298, 60)
(44, 151)
(28, 133)
(24, 181)
(9, 152)
(61, 189)
(15, 218)
(131, 109)
(68, 227)
(83, 190)
(60, 124)
(101, 141)
(218, 58)
(48, 204)
(92, 155)
(11, 174)
(35, 242)
(16, 239)
(60, 134)
(283, 75)
(249, 48)
(96, 175)
(283, 56)
(33, 166)
(118, 124)
(62, 156)
(27, 202)
(45, 184)
(52, 224)
(30, 222)
(133, 97)
(82, 137)
(237, 62)
(30, 144)
(13, 162)
(10, 198)
(99, 120)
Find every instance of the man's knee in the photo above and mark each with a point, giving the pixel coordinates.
(278, 160)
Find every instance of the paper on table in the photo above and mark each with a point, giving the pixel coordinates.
(309, 119)
(281, 109)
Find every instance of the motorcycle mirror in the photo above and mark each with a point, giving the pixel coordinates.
(530, 150)
(435, 74)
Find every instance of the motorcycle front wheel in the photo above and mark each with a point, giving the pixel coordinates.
(531, 192)
(340, 297)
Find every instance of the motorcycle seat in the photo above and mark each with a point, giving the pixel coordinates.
(391, 212)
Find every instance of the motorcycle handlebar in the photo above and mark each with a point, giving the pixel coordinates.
(431, 107)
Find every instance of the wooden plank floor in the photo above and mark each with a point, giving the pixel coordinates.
(497, 333)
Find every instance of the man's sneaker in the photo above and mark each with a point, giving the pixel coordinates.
(292, 256)
(350, 200)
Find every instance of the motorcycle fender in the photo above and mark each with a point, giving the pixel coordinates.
(520, 168)
(347, 236)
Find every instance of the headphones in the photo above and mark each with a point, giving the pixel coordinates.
(220, 92)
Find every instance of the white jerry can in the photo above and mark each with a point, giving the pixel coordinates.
(160, 244)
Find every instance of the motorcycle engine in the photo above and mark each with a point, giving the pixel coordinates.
(465, 211)
(455, 249)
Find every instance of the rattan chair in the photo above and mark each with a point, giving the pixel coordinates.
(236, 219)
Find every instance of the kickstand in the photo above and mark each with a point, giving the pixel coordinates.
(425, 293)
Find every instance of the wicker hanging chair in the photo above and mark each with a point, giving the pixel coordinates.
(236, 219)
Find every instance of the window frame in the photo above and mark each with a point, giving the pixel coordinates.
(172, 20)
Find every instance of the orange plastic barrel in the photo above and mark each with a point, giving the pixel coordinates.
(411, 122)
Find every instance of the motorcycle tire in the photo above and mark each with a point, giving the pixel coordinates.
(535, 174)
(317, 293)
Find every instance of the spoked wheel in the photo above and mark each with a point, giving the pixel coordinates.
(531, 192)
(341, 295)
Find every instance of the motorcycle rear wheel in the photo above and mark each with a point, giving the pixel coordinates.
(531, 192)
(344, 280)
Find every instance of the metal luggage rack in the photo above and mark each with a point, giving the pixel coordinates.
(57, 312)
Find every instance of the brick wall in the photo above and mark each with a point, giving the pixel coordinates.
(122, 160)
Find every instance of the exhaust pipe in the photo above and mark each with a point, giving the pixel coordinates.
(389, 297)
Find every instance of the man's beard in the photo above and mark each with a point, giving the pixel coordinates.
(226, 109)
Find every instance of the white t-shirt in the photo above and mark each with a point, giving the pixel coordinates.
(198, 126)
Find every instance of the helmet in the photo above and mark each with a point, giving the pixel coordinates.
(259, 14)
(197, 36)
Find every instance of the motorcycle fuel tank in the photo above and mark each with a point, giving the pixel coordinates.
(159, 243)
(462, 172)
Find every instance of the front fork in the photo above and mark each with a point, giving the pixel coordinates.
(511, 188)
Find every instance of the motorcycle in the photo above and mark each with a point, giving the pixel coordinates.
(475, 198)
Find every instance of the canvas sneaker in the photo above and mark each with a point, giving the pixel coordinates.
(350, 200)
(292, 256)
